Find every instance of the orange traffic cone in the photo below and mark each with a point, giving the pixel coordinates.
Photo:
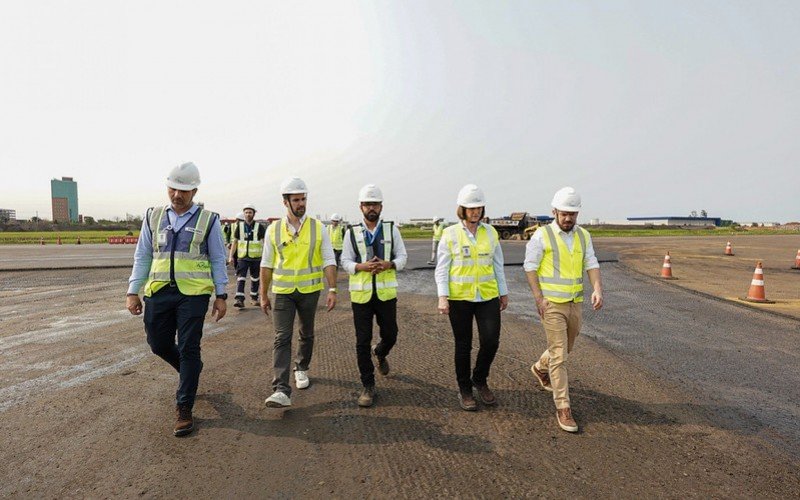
(756, 292)
(797, 261)
(41, 240)
(59, 240)
(729, 249)
(666, 269)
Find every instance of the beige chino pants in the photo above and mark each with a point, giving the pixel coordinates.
(562, 323)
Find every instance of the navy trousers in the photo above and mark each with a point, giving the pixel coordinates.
(244, 266)
(169, 313)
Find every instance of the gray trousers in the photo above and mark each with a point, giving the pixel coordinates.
(284, 308)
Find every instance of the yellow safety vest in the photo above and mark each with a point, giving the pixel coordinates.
(185, 259)
(298, 259)
(472, 265)
(337, 237)
(361, 281)
(438, 229)
(561, 271)
(249, 249)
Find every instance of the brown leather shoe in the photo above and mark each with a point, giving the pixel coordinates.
(485, 395)
(565, 420)
(467, 401)
(185, 423)
(544, 378)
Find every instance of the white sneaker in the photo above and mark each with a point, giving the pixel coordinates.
(278, 400)
(301, 379)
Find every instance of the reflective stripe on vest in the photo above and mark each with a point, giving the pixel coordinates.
(179, 256)
(561, 271)
(337, 237)
(298, 257)
(249, 249)
(361, 281)
(472, 265)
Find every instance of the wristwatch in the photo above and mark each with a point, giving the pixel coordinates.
(331, 290)
(223, 296)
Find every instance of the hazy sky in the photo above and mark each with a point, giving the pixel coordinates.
(645, 107)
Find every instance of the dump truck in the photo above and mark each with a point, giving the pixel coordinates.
(519, 223)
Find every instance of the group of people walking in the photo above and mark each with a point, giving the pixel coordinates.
(180, 261)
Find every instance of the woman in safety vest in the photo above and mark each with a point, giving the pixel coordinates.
(471, 284)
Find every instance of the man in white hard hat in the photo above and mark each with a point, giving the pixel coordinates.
(555, 258)
(471, 284)
(247, 248)
(373, 253)
(297, 253)
(336, 233)
(180, 262)
(438, 227)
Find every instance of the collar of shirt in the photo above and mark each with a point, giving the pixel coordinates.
(377, 225)
(557, 229)
(174, 217)
(290, 226)
(469, 233)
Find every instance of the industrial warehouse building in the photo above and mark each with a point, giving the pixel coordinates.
(671, 220)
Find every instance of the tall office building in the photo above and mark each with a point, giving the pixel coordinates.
(65, 199)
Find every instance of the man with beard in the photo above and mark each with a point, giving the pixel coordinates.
(180, 262)
(247, 247)
(555, 258)
(373, 252)
(297, 252)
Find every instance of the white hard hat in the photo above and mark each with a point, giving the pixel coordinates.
(249, 206)
(240, 216)
(370, 194)
(435, 219)
(184, 177)
(293, 185)
(336, 217)
(471, 196)
(567, 199)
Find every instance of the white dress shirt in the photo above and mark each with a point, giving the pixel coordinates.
(349, 256)
(268, 257)
(534, 250)
(444, 258)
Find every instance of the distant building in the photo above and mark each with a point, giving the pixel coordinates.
(7, 215)
(64, 194)
(671, 220)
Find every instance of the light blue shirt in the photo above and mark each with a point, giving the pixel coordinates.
(143, 257)
(444, 258)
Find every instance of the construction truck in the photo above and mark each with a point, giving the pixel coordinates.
(519, 225)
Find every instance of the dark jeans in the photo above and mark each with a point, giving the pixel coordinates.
(487, 316)
(284, 308)
(338, 255)
(386, 314)
(242, 267)
(166, 312)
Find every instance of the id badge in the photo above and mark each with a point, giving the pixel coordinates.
(162, 238)
(465, 249)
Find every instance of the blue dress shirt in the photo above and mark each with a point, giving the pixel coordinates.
(143, 257)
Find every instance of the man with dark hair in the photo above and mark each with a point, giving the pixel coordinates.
(373, 252)
(180, 262)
